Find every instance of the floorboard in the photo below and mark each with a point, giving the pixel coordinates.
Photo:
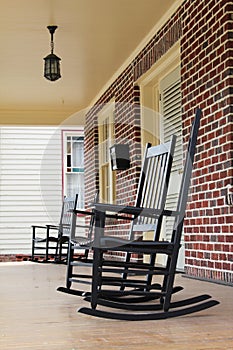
(35, 316)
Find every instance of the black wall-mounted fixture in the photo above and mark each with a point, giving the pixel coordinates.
(119, 155)
(52, 62)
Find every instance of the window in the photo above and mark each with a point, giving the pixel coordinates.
(106, 140)
(152, 86)
(74, 166)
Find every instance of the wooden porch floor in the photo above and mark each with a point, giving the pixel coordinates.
(33, 315)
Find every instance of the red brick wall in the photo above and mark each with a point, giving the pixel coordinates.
(204, 28)
(127, 129)
(91, 157)
(14, 258)
(207, 80)
(126, 95)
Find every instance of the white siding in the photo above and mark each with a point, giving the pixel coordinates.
(30, 184)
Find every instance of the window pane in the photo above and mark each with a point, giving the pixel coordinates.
(68, 147)
(75, 184)
(68, 160)
(77, 153)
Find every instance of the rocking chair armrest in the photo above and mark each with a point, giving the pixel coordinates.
(131, 210)
(127, 209)
(81, 212)
(87, 227)
(34, 231)
(167, 212)
(92, 213)
(38, 226)
(54, 227)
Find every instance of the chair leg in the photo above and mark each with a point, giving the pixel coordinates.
(152, 263)
(33, 242)
(57, 251)
(60, 250)
(47, 246)
(169, 280)
(153, 256)
(69, 265)
(168, 295)
(96, 276)
(125, 274)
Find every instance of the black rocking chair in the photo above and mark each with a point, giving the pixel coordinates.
(79, 248)
(135, 301)
(50, 242)
(155, 173)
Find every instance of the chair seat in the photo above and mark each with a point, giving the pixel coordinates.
(82, 242)
(64, 239)
(147, 246)
(41, 240)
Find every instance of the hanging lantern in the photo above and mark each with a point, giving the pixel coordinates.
(52, 62)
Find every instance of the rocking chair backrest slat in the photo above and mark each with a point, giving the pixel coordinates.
(153, 183)
(68, 205)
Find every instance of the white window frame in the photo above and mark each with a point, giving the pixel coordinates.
(106, 131)
(69, 168)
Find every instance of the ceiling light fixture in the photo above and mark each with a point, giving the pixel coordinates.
(52, 62)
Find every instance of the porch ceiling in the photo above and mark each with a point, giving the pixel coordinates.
(93, 39)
